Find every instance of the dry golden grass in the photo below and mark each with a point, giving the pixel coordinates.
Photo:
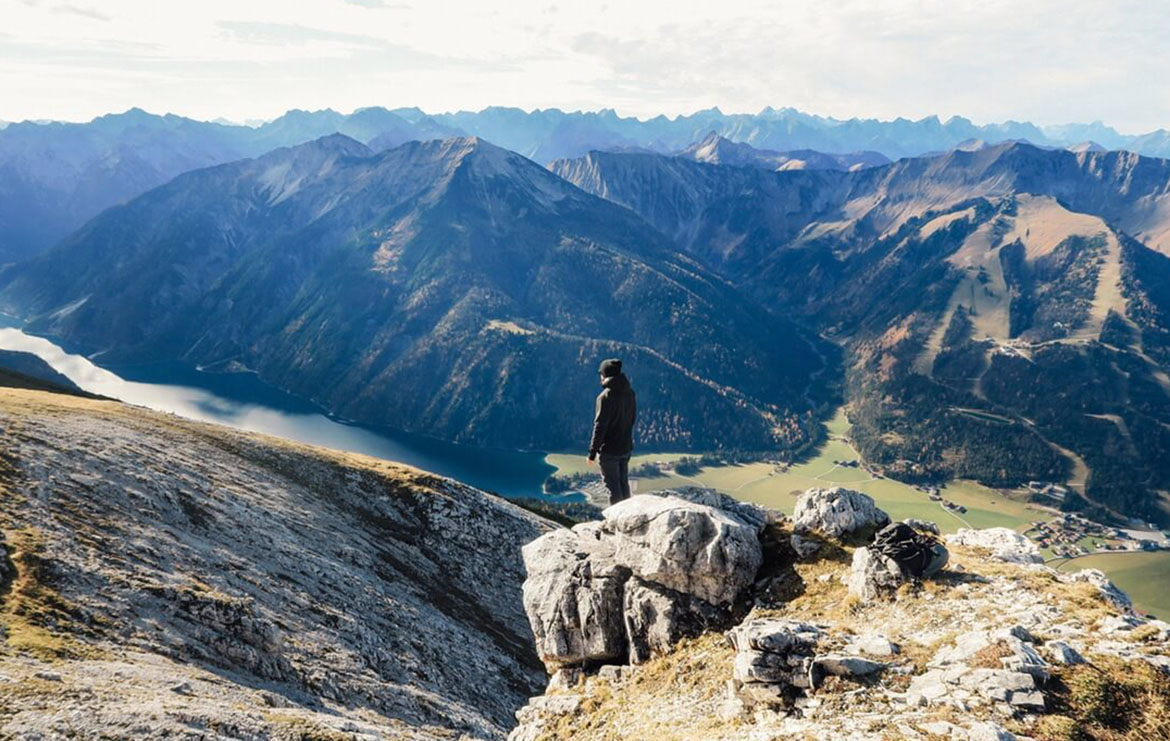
(990, 657)
(1143, 633)
(1111, 700)
(660, 701)
(296, 728)
(36, 619)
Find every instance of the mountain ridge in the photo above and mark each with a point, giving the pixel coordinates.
(54, 176)
(454, 254)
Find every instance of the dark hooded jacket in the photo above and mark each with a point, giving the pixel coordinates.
(613, 423)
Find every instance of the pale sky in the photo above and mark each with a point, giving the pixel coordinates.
(1046, 61)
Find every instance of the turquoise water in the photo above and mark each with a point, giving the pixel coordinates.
(243, 401)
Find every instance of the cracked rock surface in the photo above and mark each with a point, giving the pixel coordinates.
(655, 569)
(174, 578)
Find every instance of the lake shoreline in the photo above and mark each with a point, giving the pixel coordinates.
(245, 402)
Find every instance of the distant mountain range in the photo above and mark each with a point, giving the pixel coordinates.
(451, 288)
(719, 150)
(550, 134)
(56, 176)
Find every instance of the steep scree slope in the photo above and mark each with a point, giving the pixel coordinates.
(167, 578)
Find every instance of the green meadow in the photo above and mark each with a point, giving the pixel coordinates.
(765, 484)
(1143, 575)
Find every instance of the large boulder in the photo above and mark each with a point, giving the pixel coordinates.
(1004, 544)
(573, 598)
(690, 548)
(837, 511)
(655, 570)
(753, 514)
(873, 575)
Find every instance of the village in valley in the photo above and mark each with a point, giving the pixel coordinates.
(1069, 535)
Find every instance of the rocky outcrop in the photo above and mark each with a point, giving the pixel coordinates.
(1004, 544)
(1107, 589)
(989, 645)
(872, 575)
(778, 660)
(836, 511)
(773, 659)
(573, 598)
(657, 617)
(1015, 684)
(756, 515)
(655, 569)
(691, 548)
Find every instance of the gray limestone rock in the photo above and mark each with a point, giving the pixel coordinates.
(843, 665)
(573, 598)
(656, 618)
(989, 731)
(655, 570)
(540, 712)
(1021, 656)
(565, 678)
(1108, 589)
(753, 514)
(613, 672)
(1004, 544)
(873, 575)
(1033, 700)
(775, 635)
(874, 645)
(773, 659)
(1061, 653)
(836, 511)
(690, 548)
(803, 546)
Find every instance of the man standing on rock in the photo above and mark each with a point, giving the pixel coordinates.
(613, 429)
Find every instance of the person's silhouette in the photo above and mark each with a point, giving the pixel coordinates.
(613, 429)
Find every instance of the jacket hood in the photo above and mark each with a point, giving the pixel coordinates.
(617, 383)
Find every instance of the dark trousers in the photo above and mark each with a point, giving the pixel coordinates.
(615, 471)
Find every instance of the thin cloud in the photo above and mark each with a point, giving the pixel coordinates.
(984, 60)
(378, 5)
(262, 32)
(369, 50)
(77, 10)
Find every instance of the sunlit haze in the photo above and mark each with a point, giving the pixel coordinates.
(1045, 61)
